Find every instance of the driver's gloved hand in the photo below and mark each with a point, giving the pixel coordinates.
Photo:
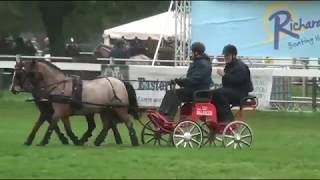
(180, 82)
(172, 82)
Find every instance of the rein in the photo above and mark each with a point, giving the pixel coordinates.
(59, 82)
(41, 88)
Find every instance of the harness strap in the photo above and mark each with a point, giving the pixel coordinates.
(76, 92)
(114, 92)
(59, 82)
(47, 89)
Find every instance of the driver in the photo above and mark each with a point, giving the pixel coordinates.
(198, 78)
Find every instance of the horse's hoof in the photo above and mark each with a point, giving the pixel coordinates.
(42, 144)
(78, 143)
(134, 141)
(97, 143)
(64, 140)
(135, 144)
(27, 143)
(118, 141)
(83, 141)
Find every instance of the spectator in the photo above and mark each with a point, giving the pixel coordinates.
(20, 47)
(4, 46)
(46, 46)
(72, 49)
(30, 49)
(119, 51)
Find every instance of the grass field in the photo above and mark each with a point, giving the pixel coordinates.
(286, 145)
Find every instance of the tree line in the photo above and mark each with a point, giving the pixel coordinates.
(83, 20)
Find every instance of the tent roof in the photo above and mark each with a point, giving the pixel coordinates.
(151, 27)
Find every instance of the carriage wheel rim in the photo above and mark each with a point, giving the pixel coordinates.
(184, 137)
(154, 137)
(209, 138)
(239, 138)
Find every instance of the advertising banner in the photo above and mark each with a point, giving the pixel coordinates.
(151, 83)
(258, 28)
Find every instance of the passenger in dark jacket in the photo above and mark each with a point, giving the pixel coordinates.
(236, 84)
(198, 77)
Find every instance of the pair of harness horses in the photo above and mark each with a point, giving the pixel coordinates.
(112, 98)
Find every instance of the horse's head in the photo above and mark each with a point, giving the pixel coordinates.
(25, 77)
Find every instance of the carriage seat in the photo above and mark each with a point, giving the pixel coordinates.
(203, 95)
(249, 100)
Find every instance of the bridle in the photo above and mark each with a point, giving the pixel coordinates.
(44, 90)
(19, 77)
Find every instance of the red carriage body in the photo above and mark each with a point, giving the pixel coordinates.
(201, 110)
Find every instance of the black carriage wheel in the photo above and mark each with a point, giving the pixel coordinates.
(150, 135)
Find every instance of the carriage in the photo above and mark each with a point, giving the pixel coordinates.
(198, 125)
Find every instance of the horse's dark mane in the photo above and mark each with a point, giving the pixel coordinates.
(51, 65)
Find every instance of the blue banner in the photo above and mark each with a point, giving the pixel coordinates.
(258, 28)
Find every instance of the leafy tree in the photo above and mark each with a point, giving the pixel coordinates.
(83, 20)
(53, 13)
(19, 16)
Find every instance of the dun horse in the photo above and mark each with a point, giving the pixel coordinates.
(108, 96)
(46, 112)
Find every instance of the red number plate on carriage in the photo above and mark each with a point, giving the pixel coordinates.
(203, 111)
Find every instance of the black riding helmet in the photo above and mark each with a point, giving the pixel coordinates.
(230, 49)
(198, 47)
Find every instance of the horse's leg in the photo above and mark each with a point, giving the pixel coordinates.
(61, 136)
(116, 134)
(124, 116)
(106, 126)
(91, 127)
(59, 111)
(67, 127)
(35, 129)
(52, 126)
(114, 119)
(46, 110)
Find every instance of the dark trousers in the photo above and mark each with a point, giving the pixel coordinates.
(172, 100)
(222, 98)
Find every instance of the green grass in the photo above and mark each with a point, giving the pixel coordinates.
(286, 145)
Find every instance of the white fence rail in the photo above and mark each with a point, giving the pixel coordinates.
(282, 68)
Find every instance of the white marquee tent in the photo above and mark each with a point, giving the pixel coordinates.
(152, 27)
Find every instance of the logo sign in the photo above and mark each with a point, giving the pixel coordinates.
(203, 111)
(264, 28)
(282, 20)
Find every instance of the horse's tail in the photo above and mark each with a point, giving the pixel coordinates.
(133, 108)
